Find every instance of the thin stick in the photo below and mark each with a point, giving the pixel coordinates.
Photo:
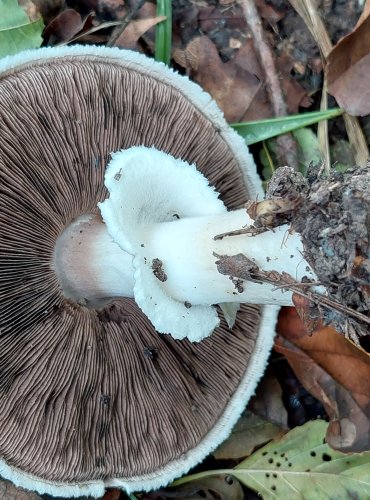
(125, 22)
(286, 142)
(240, 266)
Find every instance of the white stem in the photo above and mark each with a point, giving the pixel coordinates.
(186, 248)
(162, 212)
(91, 268)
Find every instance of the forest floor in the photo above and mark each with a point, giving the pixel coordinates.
(214, 43)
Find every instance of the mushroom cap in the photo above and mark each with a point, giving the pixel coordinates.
(96, 398)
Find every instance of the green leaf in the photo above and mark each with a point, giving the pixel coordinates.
(17, 32)
(163, 32)
(260, 130)
(301, 465)
(222, 487)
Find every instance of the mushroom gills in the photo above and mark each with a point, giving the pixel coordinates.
(82, 406)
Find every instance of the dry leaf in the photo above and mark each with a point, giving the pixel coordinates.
(112, 9)
(348, 71)
(65, 26)
(269, 12)
(268, 403)
(335, 372)
(135, 30)
(237, 85)
(260, 108)
(308, 313)
(112, 494)
(9, 492)
(249, 433)
(364, 14)
(216, 19)
(232, 87)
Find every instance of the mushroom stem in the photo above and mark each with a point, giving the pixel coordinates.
(188, 254)
(91, 268)
(182, 255)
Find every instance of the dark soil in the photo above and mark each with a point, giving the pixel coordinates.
(333, 218)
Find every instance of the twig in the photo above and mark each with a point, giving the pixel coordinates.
(239, 266)
(286, 142)
(251, 230)
(90, 31)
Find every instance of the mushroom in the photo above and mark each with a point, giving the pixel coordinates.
(90, 394)
(175, 259)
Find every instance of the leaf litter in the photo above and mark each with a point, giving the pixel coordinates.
(213, 45)
(335, 372)
(299, 465)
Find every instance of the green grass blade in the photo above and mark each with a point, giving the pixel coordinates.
(260, 130)
(163, 32)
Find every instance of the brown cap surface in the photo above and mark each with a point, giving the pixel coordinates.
(85, 394)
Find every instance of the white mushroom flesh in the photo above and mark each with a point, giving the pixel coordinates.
(162, 211)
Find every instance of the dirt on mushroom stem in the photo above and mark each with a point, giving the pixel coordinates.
(332, 215)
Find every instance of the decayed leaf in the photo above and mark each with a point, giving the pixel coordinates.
(307, 312)
(260, 107)
(112, 494)
(16, 31)
(112, 9)
(267, 404)
(232, 87)
(31, 9)
(364, 14)
(307, 9)
(249, 433)
(334, 371)
(9, 492)
(65, 26)
(136, 29)
(237, 85)
(348, 71)
(300, 465)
